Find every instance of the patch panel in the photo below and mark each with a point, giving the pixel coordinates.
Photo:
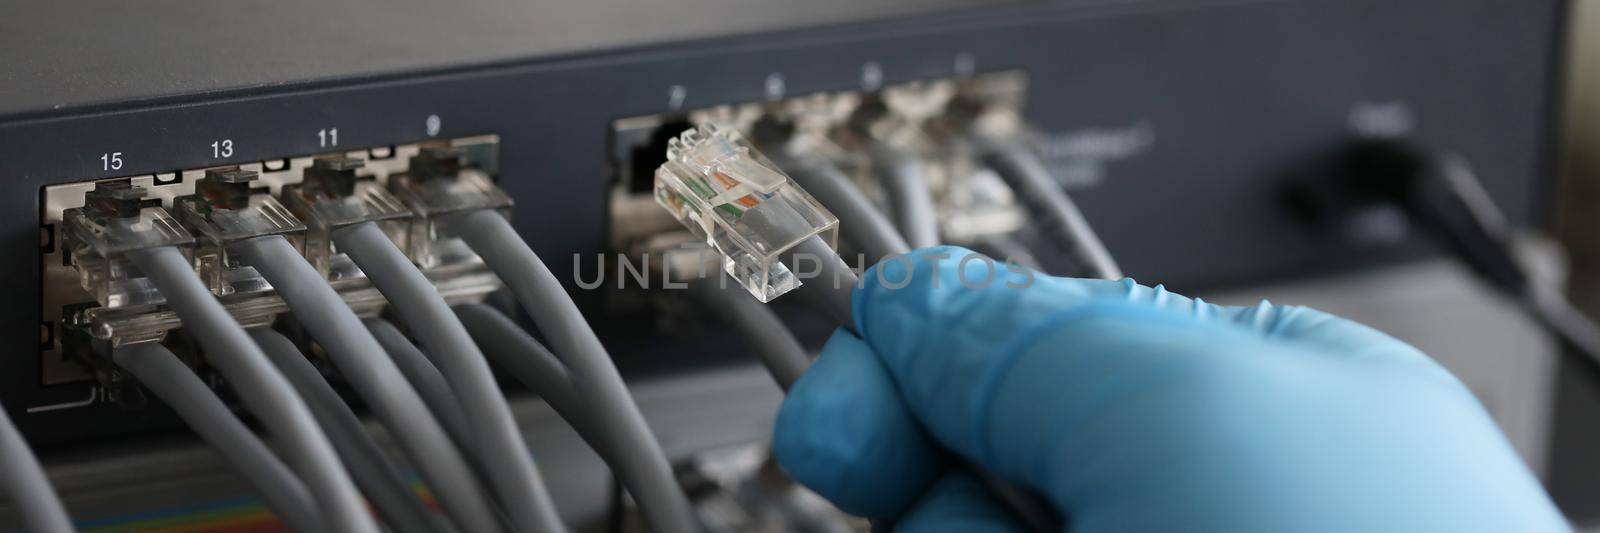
(82, 321)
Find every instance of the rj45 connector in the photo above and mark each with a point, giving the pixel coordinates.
(333, 196)
(441, 183)
(226, 209)
(747, 209)
(115, 220)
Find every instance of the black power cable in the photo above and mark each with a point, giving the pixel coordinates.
(1440, 193)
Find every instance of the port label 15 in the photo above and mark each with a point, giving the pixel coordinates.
(111, 161)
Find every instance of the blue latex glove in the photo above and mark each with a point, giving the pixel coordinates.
(1134, 409)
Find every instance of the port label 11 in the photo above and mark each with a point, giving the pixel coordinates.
(328, 137)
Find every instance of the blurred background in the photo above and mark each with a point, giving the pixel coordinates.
(1573, 470)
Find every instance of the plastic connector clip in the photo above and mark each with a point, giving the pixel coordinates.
(332, 196)
(727, 193)
(117, 219)
(226, 209)
(440, 183)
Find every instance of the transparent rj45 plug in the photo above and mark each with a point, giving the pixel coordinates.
(224, 210)
(727, 193)
(441, 182)
(116, 220)
(332, 196)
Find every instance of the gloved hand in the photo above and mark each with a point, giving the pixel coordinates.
(1134, 409)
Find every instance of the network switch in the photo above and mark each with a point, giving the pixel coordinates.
(1171, 123)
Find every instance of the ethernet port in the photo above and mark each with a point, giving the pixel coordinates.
(638, 147)
(648, 156)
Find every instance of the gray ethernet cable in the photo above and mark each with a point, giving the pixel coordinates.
(907, 188)
(362, 361)
(429, 382)
(887, 127)
(160, 371)
(1060, 217)
(328, 197)
(645, 472)
(769, 338)
(837, 281)
(333, 197)
(232, 218)
(1000, 138)
(129, 252)
(459, 210)
(860, 222)
(496, 437)
(774, 345)
(379, 479)
(23, 481)
(532, 363)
